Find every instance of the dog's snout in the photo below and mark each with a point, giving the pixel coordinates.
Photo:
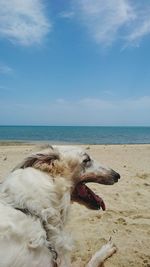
(116, 176)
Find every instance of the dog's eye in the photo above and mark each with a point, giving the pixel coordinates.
(86, 160)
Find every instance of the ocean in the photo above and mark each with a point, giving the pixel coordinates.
(76, 134)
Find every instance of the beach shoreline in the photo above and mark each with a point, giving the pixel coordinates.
(53, 142)
(126, 218)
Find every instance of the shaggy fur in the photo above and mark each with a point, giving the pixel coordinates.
(34, 205)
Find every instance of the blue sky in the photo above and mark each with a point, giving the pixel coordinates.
(78, 62)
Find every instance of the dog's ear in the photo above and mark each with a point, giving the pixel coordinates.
(37, 160)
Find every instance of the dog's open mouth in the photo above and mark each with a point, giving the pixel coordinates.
(86, 196)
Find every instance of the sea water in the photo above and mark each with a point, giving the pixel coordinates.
(76, 134)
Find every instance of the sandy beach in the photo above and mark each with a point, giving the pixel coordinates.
(127, 217)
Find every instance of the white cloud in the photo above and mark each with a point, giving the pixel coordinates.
(88, 111)
(140, 30)
(66, 14)
(111, 20)
(96, 104)
(93, 111)
(4, 69)
(23, 21)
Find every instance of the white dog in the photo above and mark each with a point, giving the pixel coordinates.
(34, 204)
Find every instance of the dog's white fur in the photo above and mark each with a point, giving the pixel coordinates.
(45, 191)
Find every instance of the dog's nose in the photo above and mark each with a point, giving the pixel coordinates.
(116, 176)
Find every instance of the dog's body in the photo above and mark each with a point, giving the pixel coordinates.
(34, 205)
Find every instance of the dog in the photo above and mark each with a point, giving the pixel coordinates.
(34, 206)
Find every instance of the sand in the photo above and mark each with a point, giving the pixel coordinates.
(127, 218)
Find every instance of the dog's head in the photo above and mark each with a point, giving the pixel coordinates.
(77, 166)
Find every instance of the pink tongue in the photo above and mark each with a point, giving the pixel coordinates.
(85, 192)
